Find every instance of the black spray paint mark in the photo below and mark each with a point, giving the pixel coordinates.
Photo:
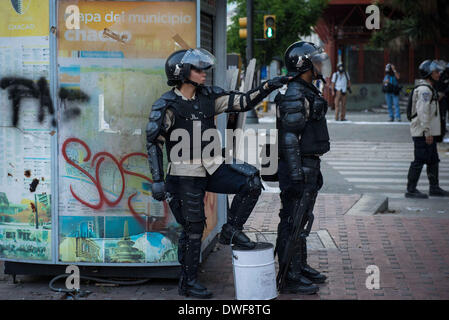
(72, 95)
(34, 184)
(20, 88)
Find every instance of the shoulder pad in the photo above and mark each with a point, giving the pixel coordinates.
(162, 102)
(293, 94)
(169, 95)
(215, 91)
(159, 104)
(293, 100)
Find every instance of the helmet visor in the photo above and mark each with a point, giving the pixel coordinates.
(322, 64)
(437, 66)
(199, 58)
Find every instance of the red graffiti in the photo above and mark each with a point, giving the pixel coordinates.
(100, 156)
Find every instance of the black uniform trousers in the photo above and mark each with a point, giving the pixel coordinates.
(313, 183)
(187, 206)
(424, 153)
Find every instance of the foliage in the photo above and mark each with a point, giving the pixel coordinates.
(294, 18)
(418, 21)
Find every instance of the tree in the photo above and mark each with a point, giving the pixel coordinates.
(294, 18)
(412, 22)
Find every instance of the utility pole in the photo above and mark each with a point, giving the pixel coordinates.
(251, 116)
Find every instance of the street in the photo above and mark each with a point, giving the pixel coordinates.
(408, 242)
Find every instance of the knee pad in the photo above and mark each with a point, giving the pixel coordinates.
(253, 186)
(193, 207)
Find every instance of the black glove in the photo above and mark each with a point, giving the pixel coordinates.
(158, 190)
(277, 82)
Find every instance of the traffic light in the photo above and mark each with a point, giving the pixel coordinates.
(242, 30)
(269, 26)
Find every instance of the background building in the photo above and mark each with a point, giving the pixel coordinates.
(346, 38)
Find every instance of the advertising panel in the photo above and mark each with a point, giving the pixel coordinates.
(25, 142)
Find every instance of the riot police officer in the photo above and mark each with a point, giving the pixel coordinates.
(425, 126)
(191, 106)
(303, 138)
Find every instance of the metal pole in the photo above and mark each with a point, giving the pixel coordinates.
(249, 27)
(251, 116)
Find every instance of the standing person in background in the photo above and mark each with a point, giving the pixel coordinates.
(392, 89)
(424, 127)
(340, 85)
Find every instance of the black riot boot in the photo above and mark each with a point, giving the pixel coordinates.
(295, 281)
(313, 275)
(189, 256)
(241, 207)
(229, 232)
(434, 186)
(412, 180)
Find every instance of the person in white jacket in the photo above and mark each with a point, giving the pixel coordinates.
(425, 125)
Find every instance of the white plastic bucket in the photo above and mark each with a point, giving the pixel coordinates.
(254, 272)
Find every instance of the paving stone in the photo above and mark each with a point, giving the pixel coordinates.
(412, 254)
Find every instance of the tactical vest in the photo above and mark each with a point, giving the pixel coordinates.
(198, 112)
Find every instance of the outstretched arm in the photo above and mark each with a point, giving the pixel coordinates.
(242, 102)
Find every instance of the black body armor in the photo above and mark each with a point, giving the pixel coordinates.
(292, 113)
(188, 113)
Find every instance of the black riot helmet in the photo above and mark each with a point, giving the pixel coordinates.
(171, 64)
(302, 56)
(427, 67)
(180, 63)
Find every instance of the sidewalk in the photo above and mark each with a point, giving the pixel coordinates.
(410, 248)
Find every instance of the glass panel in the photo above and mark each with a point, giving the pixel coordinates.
(117, 58)
(25, 142)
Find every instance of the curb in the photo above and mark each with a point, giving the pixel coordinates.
(368, 205)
